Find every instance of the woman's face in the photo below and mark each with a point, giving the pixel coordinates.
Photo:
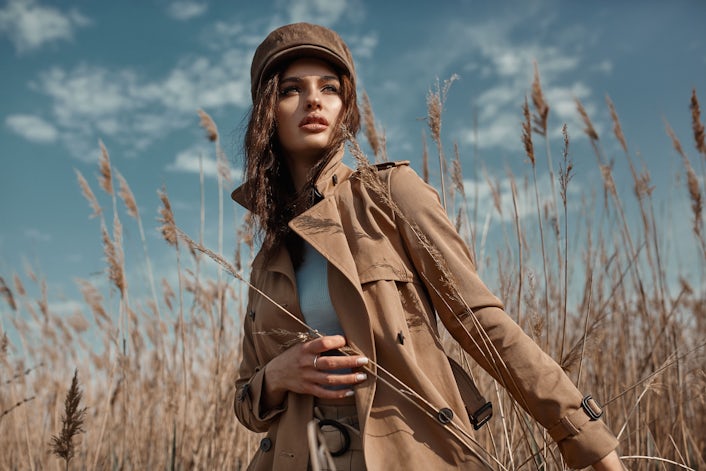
(308, 108)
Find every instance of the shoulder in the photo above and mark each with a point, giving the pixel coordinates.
(403, 184)
(390, 165)
(401, 170)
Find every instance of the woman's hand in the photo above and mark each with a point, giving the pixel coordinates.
(610, 462)
(295, 370)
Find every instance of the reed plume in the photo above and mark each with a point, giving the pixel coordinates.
(692, 184)
(425, 158)
(697, 126)
(89, 195)
(106, 176)
(371, 132)
(617, 128)
(540, 105)
(208, 125)
(435, 105)
(588, 129)
(168, 227)
(19, 287)
(127, 196)
(7, 294)
(62, 445)
(113, 255)
(527, 132)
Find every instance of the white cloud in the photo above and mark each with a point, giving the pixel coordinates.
(33, 128)
(605, 66)
(186, 10)
(90, 102)
(362, 46)
(187, 161)
(30, 25)
(526, 202)
(37, 236)
(509, 64)
(316, 11)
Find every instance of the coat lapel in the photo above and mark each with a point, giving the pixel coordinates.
(321, 227)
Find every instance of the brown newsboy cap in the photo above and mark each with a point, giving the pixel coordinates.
(299, 40)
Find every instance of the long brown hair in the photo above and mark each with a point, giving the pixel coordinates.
(273, 199)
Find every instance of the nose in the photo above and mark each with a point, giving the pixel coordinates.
(313, 101)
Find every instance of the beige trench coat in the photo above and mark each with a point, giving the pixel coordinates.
(385, 288)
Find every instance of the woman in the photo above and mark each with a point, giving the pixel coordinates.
(366, 259)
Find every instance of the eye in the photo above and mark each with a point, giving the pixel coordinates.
(289, 91)
(330, 88)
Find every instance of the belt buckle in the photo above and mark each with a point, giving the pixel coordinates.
(346, 436)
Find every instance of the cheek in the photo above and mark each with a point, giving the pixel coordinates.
(338, 110)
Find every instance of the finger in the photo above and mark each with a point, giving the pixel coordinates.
(324, 393)
(324, 344)
(334, 379)
(340, 362)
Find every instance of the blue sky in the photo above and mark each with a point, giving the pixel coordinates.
(134, 73)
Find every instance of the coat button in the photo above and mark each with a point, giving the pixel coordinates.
(265, 444)
(446, 415)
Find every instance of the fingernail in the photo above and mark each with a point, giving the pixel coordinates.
(361, 361)
(349, 393)
(361, 377)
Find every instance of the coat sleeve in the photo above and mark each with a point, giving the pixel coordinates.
(250, 386)
(477, 320)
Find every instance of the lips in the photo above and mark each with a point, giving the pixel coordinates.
(314, 122)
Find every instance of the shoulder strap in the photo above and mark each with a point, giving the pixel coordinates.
(479, 410)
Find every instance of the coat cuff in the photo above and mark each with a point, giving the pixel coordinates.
(251, 393)
(587, 443)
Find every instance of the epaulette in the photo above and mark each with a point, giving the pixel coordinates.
(390, 164)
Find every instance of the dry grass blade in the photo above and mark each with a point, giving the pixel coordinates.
(168, 228)
(19, 287)
(692, 182)
(457, 172)
(540, 105)
(208, 125)
(106, 177)
(126, 195)
(696, 124)
(7, 294)
(588, 129)
(425, 158)
(371, 132)
(15, 406)
(617, 128)
(94, 299)
(62, 445)
(659, 460)
(527, 132)
(565, 169)
(4, 344)
(113, 255)
(89, 195)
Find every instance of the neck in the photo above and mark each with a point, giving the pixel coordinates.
(300, 167)
(300, 173)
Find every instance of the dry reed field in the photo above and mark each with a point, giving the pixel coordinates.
(148, 383)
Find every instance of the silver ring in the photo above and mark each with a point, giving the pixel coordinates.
(316, 358)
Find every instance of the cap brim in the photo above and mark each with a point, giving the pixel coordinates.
(305, 50)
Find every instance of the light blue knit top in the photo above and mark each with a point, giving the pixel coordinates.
(315, 301)
(314, 298)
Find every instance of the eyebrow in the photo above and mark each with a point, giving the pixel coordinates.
(297, 78)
